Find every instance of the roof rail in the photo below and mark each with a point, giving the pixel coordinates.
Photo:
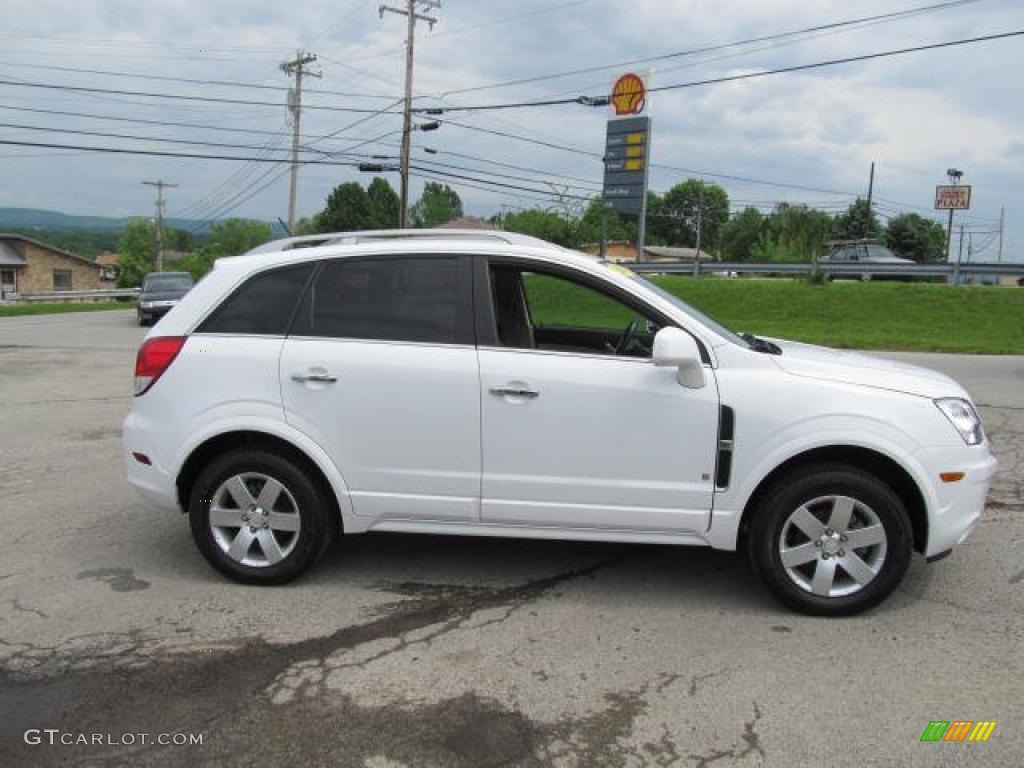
(352, 238)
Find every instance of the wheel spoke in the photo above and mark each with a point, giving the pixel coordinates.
(269, 494)
(271, 549)
(824, 575)
(857, 568)
(799, 555)
(225, 518)
(241, 543)
(865, 537)
(239, 492)
(282, 521)
(808, 523)
(842, 511)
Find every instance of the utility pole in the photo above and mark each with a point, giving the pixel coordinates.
(954, 179)
(871, 192)
(411, 14)
(700, 222)
(1002, 221)
(296, 67)
(959, 256)
(160, 185)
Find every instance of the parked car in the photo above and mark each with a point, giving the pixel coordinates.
(161, 291)
(492, 384)
(862, 252)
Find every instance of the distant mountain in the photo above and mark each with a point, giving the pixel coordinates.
(35, 218)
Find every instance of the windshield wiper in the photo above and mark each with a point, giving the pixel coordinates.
(761, 345)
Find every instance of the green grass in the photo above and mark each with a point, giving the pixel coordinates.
(905, 316)
(877, 315)
(52, 308)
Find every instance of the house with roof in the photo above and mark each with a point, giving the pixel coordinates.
(30, 266)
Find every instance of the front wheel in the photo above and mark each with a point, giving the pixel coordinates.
(258, 518)
(830, 540)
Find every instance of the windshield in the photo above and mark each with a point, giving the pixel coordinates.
(696, 314)
(159, 283)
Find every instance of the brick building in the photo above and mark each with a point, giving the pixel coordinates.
(29, 266)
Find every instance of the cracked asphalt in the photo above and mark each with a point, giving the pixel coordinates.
(424, 651)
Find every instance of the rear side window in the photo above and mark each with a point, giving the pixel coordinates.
(263, 305)
(392, 299)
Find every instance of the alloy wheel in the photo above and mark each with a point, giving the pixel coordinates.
(832, 546)
(254, 519)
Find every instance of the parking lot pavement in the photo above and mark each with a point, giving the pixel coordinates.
(424, 651)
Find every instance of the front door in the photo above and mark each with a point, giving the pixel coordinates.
(8, 283)
(381, 371)
(579, 429)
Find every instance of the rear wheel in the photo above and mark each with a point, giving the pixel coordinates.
(258, 518)
(830, 540)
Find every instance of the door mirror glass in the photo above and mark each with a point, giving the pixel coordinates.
(678, 349)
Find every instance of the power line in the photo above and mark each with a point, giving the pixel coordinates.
(177, 96)
(190, 80)
(132, 137)
(602, 100)
(711, 48)
(159, 153)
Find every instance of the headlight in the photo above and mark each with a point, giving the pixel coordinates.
(962, 415)
(147, 305)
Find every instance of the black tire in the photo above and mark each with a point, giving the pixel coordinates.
(314, 510)
(802, 486)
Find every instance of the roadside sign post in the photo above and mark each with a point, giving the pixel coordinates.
(953, 197)
(627, 153)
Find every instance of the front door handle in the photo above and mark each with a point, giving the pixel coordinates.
(314, 375)
(515, 390)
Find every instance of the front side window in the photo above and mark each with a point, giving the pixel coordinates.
(62, 279)
(263, 305)
(548, 311)
(387, 299)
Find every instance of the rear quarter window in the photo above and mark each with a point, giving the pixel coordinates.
(263, 305)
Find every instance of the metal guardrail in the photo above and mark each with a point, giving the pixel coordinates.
(932, 269)
(102, 293)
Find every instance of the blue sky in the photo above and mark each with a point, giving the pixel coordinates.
(914, 115)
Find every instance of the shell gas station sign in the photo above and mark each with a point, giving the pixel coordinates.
(627, 144)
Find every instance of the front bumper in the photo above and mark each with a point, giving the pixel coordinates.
(960, 504)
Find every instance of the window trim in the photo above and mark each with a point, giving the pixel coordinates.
(486, 322)
(465, 326)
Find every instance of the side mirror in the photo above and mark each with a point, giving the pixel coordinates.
(678, 349)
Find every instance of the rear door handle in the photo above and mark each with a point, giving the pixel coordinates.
(314, 375)
(515, 390)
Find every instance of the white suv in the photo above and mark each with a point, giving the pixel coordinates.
(490, 384)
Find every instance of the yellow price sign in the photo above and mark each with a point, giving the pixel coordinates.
(635, 165)
(635, 151)
(636, 138)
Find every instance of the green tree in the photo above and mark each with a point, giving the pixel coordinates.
(674, 219)
(438, 204)
(384, 204)
(588, 228)
(231, 237)
(857, 222)
(740, 234)
(915, 237)
(797, 232)
(348, 210)
(180, 240)
(137, 247)
(547, 225)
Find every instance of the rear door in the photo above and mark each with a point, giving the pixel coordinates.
(579, 429)
(381, 370)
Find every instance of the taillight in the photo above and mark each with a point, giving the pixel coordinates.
(155, 356)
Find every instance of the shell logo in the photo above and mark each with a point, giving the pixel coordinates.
(628, 95)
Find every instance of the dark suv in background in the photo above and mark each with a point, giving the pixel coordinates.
(160, 292)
